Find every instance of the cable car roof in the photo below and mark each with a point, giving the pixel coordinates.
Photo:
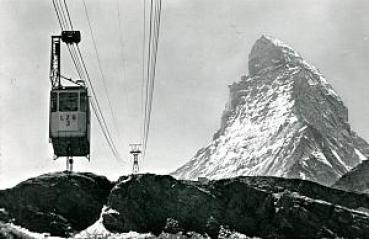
(75, 88)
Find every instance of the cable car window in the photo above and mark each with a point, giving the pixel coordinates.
(83, 101)
(68, 101)
(54, 101)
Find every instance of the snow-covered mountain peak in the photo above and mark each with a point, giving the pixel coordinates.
(270, 54)
(284, 119)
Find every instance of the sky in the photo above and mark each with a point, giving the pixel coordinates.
(204, 47)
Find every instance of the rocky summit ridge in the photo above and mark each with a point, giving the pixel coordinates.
(283, 119)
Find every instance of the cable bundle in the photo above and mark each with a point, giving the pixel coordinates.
(149, 79)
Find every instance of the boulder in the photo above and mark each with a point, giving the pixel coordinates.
(58, 203)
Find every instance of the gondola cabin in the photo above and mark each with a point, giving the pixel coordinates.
(69, 123)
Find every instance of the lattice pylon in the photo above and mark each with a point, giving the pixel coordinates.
(135, 151)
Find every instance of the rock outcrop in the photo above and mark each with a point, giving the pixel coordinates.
(284, 120)
(262, 207)
(265, 207)
(58, 203)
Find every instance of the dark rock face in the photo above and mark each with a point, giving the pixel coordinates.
(58, 203)
(146, 202)
(284, 120)
(356, 180)
(266, 207)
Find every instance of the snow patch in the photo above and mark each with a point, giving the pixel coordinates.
(128, 235)
(360, 155)
(281, 44)
(129, 178)
(109, 210)
(30, 234)
(302, 128)
(98, 230)
(340, 160)
(321, 157)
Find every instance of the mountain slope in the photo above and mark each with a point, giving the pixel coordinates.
(355, 180)
(284, 119)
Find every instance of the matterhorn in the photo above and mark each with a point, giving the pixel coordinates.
(284, 119)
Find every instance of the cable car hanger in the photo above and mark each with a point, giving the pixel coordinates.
(68, 37)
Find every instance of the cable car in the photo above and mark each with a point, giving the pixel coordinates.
(69, 116)
(69, 123)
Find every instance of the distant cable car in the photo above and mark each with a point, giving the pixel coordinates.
(69, 120)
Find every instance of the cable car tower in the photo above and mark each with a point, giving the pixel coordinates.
(69, 118)
(135, 151)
